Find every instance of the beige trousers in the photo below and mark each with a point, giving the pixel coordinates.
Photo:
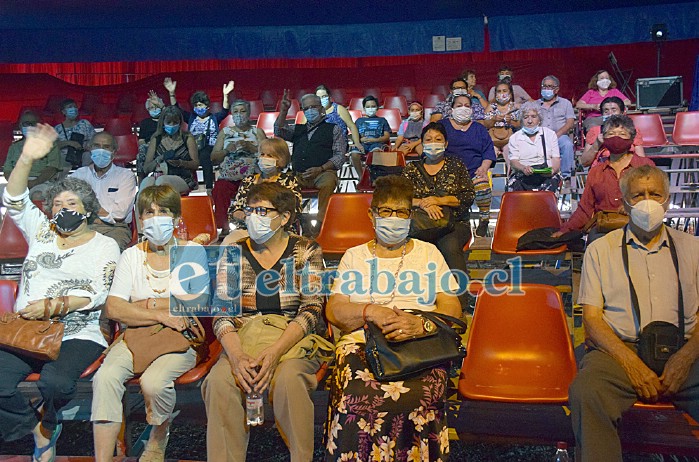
(227, 433)
(157, 384)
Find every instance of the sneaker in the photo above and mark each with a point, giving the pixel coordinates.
(482, 229)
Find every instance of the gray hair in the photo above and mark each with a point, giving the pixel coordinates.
(242, 102)
(80, 188)
(111, 137)
(149, 100)
(551, 77)
(619, 121)
(644, 171)
(530, 106)
(311, 95)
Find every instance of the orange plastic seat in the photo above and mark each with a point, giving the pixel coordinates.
(522, 211)
(364, 185)
(226, 122)
(12, 241)
(118, 126)
(127, 149)
(392, 116)
(198, 215)
(266, 122)
(268, 98)
(293, 109)
(686, 129)
(346, 224)
(8, 295)
(519, 348)
(651, 128)
(300, 118)
(396, 102)
(355, 114)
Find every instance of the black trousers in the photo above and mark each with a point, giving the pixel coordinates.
(207, 166)
(452, 248)
(57, 386)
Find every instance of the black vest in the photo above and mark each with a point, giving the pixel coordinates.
(314, 152)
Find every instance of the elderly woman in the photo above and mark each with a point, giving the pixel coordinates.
(140, 296)
(338, 115)
(410, 130)
(146, 129)
(68, 271)
(502, 116)
(601, 86)
(236, 150)
(273, 166)
(443, 185)
(172, 156)
(370, 420)
(470, 143)
(293, 311)
(602, 192)
(74, 135)
(534, 160)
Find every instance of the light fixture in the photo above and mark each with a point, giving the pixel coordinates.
(659, 32)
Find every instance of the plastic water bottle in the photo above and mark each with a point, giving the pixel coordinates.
(254, 408)
(181, 230)
(561, 452)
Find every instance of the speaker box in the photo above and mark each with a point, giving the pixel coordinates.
(659, 92)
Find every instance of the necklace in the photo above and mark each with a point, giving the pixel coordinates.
(150, 272)
(395, 275)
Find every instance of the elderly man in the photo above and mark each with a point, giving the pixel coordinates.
(505, 75)
(318, 151)
(558, 115)
(115, 188)
(648, 272)
(44, 169)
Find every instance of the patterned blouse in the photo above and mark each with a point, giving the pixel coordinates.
(240, 163)
(512, 110)
(452, 179)
(286, 178)
(298, 299)
(181, 152)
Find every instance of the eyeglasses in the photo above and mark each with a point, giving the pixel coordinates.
(305, 108)
(385, 212)
(549, 87)
(261, 211)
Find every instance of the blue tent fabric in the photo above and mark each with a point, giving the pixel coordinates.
(592, 28)
(236, 42)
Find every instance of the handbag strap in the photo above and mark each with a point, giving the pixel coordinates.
(634, 296)
(445, 318)
(428, 179)
(543, 143)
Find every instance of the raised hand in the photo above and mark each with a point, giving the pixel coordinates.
(170, 85)
(285, 103)
(39, 142)
(153, 96)
(228, 87)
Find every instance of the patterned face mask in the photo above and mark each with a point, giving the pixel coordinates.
(67, 221)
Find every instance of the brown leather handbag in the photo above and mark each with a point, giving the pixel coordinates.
(148, 343)
(500, 136)
(606, 221)
(39, 339)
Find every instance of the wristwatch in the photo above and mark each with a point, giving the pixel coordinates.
(427, 325)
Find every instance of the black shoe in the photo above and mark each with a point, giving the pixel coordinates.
(482, 229)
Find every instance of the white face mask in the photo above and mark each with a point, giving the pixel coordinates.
(417, 115)
(158, 230)
(462, 114)
(459, 92)
(260, 228)
(647, 215)
(604, 83)
(267, 165)
(370, 111)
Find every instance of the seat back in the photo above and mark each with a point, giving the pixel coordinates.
(408, 93)
(293, 109)
(686, 129)
(127, 149)
(441, 90)
(102, 113)
(300, 118)
(355, 114)
(339, 95)
(256, 107)
(522, 211)
(117, 126)
(12, 241)
(226, 122)
(519, 348)
(650, 126)
(347, 223)
(139, 113)
(375, 92)
(198, 215)
(8, 295)
(266, 122)
(268, 98)
(392, 116)
(356, 105)
(215, 106)
(396, 102)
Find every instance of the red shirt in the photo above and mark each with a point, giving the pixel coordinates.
(601, 192)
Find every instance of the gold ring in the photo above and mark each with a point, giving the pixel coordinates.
(400, 331)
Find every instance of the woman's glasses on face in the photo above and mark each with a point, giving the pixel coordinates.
(261, 211)
(385, 212)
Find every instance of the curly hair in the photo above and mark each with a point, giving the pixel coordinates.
(80, 188)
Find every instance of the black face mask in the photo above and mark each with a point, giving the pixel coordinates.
(67, 221)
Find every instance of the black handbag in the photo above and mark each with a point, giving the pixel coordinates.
(74, 156)
(659, 340)
(390, 361)
(423, 227)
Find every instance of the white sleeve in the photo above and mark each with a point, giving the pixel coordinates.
(446, 283)
(551, 144)
(514, 147)
(123, 198)
(122, 284)
(25, 214)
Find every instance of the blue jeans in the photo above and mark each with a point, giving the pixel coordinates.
(567, 150)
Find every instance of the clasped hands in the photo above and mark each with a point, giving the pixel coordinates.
(255, 373)
(397, 325)
(432, 206)
(651, 388)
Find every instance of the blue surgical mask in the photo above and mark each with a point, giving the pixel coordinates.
(392, 230)
(101, 157)
(155, 113)
(267, 165)
(605, 117)
(530, 130)
(200, 111)
(312, 114)
(547, 94)
(370, 111)
(260, 228)
(158, 230)
(171, 129)
(240, 119)
(325, 101)
(72, 112)
(25, 130)
(433, 151)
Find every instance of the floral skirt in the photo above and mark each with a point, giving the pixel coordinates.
(385, 421)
